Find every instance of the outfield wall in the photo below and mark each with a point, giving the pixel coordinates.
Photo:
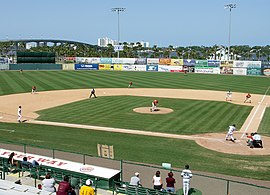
(152, 65)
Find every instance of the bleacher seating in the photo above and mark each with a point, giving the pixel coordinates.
(125, 188)
(10, 188)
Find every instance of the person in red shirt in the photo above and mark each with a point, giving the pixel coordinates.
(170, 183)
(130, 84)
(64, 187)
(248, 100)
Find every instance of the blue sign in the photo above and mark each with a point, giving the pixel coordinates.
(214, 63)
(86, 66)
(152, 68)
(189, 62)
(105, 60)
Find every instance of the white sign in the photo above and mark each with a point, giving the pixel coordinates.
(118, 48)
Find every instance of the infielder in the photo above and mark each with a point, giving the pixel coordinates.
(34, 88)
(154, 106)
(232, 128)
(130, 84)
(229, 96)
(187, 175)
(93, 92)
(19, 114)
(248, 98)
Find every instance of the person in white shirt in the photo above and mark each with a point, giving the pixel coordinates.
(157, 181)
(232, 128)
(48, 183)
(135, 180)
(257, 140)
(19, 114)
(187, 175)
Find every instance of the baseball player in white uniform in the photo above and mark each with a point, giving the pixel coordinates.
(187, 175)
(232, 128)
(19, 114)
(229, 96)
(154, 106)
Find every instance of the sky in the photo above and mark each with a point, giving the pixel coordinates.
(159, 22)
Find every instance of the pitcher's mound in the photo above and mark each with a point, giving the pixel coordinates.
(147, 110)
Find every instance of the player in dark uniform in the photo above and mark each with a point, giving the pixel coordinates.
(93, 92)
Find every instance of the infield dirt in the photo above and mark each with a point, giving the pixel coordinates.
(32, 103)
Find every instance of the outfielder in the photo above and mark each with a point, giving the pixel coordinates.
(19, 114)
(187, 175)
(232, 128)
(229, 96)
(154, 106)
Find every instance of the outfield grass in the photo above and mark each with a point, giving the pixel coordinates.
(135, 147)
(140, 148)
(189, 116)
(15, 82)
(264, 125)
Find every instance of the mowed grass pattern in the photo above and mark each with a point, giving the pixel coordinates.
(15, 82)
(189, 116)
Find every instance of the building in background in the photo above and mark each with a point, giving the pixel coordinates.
(103, 42)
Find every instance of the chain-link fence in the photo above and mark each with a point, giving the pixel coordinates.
(206, 184)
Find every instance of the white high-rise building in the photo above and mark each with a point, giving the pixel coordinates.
(103, 42)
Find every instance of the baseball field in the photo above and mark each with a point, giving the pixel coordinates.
(193, 133)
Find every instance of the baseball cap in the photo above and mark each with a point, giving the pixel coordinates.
(137, 173)
(88, 182)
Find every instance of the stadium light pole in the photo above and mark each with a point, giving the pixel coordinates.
(230, 7)
(118, 10)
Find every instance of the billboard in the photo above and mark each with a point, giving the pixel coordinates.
(105, 60)
(152, 60)
(239, 71)
(177, 62)
(140, 61)
(214, 63)
(247, 64)
(105, 67)
(118, 67)
(254, 71)
(207, 70)
(165, 61)
(201, 63)
(226, 70)
(226, 63)
(129, 60)
(164, 68)
(152, 68)
(86, 66)
(117, 61)
(134, 68)
(189, 62)
(266, 72)
(83, 60)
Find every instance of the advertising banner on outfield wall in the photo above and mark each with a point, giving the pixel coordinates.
(69, 59)
(177, 62)
(226, 70)
(105, 60)
(118, 67)
(201, 63)
(165, 61)
(266, 72)
(214, 63)
(117, 60)
(4, 66)
(207, 70)
(254, 71)
(83, 60)
(247, 64)
(151, 68)
(105, 67)
(86, 66)
(189, 62)
(134, 67)
(239, 71)
(226, 63)
(140, 61)
(68, 66)
(152, 61)
(164, 68)
(129, 60)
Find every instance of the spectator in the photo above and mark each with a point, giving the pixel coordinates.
(135, 180)
(170, 183)
(11, 160)
(25, 163)
(75, 184)
(64, 187)
(87, 189)
(48, 183)
(157, 181)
